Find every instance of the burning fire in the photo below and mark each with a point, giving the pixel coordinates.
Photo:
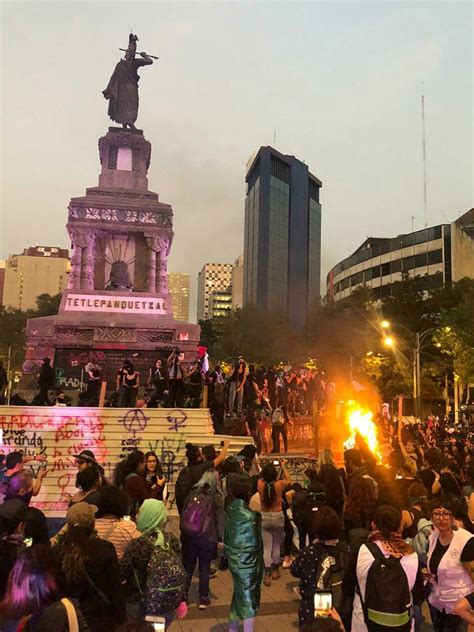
(361, 423)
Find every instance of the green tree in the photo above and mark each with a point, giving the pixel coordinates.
(47, 305)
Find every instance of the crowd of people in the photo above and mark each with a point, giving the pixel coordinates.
(378, 538)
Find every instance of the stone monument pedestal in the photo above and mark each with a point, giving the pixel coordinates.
(117, 304)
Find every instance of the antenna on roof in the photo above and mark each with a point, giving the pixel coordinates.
(413, 223)
(274, 135)
(425, 203)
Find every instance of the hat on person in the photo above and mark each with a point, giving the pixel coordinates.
(86, 455)
(14, 510)
(81, 514)
(13, 459)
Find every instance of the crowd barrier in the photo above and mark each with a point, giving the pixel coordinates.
(60, 433)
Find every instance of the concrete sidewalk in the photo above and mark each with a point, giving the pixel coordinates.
(278, 606)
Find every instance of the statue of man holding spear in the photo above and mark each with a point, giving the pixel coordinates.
(122, 91)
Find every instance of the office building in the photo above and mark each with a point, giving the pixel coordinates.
(179, 289)
(238, 283)
(214, 277)
(282, 247)
(220, 303)
(435, 255)
(38, 270)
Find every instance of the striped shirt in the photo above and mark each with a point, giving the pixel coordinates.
(119, 532)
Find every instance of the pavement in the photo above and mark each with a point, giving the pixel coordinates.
(278, 607)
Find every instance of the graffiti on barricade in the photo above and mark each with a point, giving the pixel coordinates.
(58, 434)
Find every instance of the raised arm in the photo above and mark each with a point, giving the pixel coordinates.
(222, 454)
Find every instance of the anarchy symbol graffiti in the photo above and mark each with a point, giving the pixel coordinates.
(135, 421)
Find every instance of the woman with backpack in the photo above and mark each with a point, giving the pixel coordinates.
(387, 577)
(130, 476)
(244, 550)
(273, 521)
(322, 564)
(200, 532)
(152, 570)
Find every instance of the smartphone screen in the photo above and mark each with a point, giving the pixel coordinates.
(322, 604)
(276, 462)
(158, 623)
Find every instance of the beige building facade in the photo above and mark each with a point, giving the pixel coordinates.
(179, 289)
(38, 270)
(214, 277)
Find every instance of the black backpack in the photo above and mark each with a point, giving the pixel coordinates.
(387, 603)
(332, 564)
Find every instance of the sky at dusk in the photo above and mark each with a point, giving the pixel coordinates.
(340, 82)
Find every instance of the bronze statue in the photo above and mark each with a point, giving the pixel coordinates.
(119, 277)
(122, 91)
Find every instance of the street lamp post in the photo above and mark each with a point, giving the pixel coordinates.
(419, 338)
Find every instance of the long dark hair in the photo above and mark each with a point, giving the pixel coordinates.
(159, 469)
(127, 466)
(333, 487)
(269, 476)
(360, 501)
(76, 552)
(31, 584)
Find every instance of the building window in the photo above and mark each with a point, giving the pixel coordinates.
(408, 263)
(280, 169)
(278, 238)
(435, 256)
(421, 260)
(395, 266)
(375, 272)
(314, 250)
(407, 240)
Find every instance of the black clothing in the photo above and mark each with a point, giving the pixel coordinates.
(450, 484)
(427, 477)
(9, 550)
(411, 531)
(100, 594)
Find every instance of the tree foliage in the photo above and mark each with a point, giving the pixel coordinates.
(13, 327)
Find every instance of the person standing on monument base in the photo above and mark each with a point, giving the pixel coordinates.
(130, 383)
(46, 380)
(176, 373)
(122, 90)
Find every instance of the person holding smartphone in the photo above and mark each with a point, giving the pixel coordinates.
(319, 565)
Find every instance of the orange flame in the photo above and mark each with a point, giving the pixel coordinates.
(361, 423)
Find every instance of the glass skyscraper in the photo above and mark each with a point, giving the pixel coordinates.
(282, 247)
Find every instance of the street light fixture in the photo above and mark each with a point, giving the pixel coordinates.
(419, 338)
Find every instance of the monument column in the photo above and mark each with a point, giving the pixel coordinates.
(162, 255)
(151, 270)
(87, 276)
(76, 264)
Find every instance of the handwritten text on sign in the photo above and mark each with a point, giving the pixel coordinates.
(60, 433)
(115, 304)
